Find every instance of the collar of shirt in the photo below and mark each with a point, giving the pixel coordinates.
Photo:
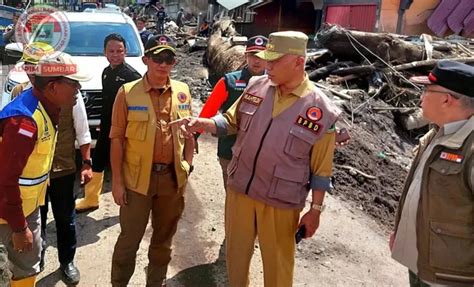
(52, 110)
(455, 133)
(148, 87)
(301, 89)
(118, 67)
(142, 30)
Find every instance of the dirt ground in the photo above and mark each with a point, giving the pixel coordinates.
(350, 248)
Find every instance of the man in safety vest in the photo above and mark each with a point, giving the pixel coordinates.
(27, 141)
(150, 162)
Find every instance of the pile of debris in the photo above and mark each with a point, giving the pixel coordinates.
(367, 73)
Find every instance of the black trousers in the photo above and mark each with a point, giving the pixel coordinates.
(101, 155)
(61, 194)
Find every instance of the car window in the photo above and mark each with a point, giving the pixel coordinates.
(87, 39)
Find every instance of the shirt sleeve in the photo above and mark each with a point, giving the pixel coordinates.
(81, 126)
(218, 96)
(227, 123)
(119, 116)
(322, 155)
(18, 139)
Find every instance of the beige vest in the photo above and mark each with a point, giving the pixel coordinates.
(64, 162)
(140, 134)
(271, 157)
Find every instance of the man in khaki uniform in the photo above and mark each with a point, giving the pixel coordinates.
(285, 147)
(434, 227)
(150, 162)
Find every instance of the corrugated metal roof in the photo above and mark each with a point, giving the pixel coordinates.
(259, 3)
(231, 4)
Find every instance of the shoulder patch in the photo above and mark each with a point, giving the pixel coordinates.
(451, 157)
(26, 130)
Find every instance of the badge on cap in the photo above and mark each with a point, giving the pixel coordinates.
(451, 157)
(182, 97)
(163, 40)
(259, 41)
(309, 125)
(314, 114)
(251, 99)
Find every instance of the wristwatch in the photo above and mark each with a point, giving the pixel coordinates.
(87, 161)
(318, 207)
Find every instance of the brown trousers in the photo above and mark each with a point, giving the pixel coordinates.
(166, 203)
(224, 164)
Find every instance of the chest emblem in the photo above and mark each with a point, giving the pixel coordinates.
(119, 79)
(251, 99)
(451, 157)
(182, 97)
(314, 114)
(307, 124)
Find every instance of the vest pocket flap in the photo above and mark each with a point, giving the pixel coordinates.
(137, 116)
(453, 230)
(294, 175)
(131, 169)
(445, 167)
(303, 134)
(248, 109)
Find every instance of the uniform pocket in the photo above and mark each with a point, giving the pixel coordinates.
(299, 142)
(246, 113)
(289, 186)
(452, 247)
(131, 169)
(137, 125)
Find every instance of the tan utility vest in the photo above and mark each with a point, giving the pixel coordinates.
(140, 134)
(271, 157)
(445, 218)
(64, 162)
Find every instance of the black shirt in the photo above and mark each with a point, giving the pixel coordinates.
(112, 80)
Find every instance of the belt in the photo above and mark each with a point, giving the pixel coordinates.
(161, 167)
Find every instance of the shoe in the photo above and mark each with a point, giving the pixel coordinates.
(92, 191)
(71, 274)
(43, 251)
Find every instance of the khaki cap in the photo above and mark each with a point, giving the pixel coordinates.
(283, 43)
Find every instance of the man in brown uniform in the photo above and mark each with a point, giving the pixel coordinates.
(284, 149)
(150, 162)
(434, 226)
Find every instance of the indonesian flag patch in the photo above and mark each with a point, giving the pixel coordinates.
(451, 157)
(26, 130)
(240, 84)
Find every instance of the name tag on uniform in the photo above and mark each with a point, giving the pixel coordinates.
(138, 108)
(451, 157)
(251, 99)
(309, 125)
(184, 106)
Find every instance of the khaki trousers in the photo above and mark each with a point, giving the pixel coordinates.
(224, 164)
(166, 203)
(247, 218)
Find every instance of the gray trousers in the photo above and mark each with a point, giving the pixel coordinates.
(26, 264)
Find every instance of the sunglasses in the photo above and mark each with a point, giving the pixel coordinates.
(168, 59)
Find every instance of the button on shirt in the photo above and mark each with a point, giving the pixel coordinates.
(405, 250)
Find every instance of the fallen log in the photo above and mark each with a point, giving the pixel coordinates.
(346, 44)
(356, 171)
(358, 70)
(430, 63)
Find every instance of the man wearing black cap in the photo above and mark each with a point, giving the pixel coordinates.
(228, 89)
(434, 225)
(150, 162)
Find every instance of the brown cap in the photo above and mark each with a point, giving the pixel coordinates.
(283, 43)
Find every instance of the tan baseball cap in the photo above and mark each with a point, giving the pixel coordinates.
(61, 65)
(284, 43)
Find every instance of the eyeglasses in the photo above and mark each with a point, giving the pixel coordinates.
(425, 90)
(160, 59)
